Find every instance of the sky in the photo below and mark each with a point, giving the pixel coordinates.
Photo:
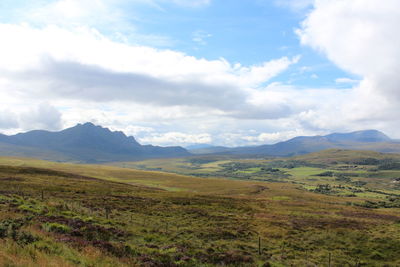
(182, 72)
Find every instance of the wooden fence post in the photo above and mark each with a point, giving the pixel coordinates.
(329, 260)
(107, 213)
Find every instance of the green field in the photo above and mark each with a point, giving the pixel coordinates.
(268, 212)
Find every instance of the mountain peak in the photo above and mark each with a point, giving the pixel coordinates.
(91, 128)
(89, 134)
(89, 143)
(360, 136)
(88, 124)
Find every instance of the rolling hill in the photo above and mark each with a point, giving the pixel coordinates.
(83, 143)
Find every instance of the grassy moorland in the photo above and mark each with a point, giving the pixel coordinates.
(268, 213)
(332, 172)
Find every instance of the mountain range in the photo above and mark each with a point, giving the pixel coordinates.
(361, 140)
(83, 143)
(89, 143)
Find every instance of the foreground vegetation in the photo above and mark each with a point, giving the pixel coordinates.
(55, 214)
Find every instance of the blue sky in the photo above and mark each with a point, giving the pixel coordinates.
(245, 32)
(227, 72)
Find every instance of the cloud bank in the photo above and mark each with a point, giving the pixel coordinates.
(69, 72)
(358, 37)
(85, 65)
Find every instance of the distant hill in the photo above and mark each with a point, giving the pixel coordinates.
(343, 156)
(83, 143)
(367, 136)
(198, 146)
(361, 140)
(206, 149)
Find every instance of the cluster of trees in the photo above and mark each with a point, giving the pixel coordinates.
(324, 189)
(382, 164)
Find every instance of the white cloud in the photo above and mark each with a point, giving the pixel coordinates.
(136, 130)
(72, 13)
(85, 65)
(42, 117)
(346, 80)
(8, 119)
(101, 13)
(275, 137)
(200, 37)
(176, 138)
(191, 3)
(69, 9)
(358, 37)
(256, 75)
(117, 18)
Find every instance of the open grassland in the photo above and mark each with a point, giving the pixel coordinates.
(56, 214)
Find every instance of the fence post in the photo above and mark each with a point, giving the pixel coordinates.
(107, 212)
(329, 260)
